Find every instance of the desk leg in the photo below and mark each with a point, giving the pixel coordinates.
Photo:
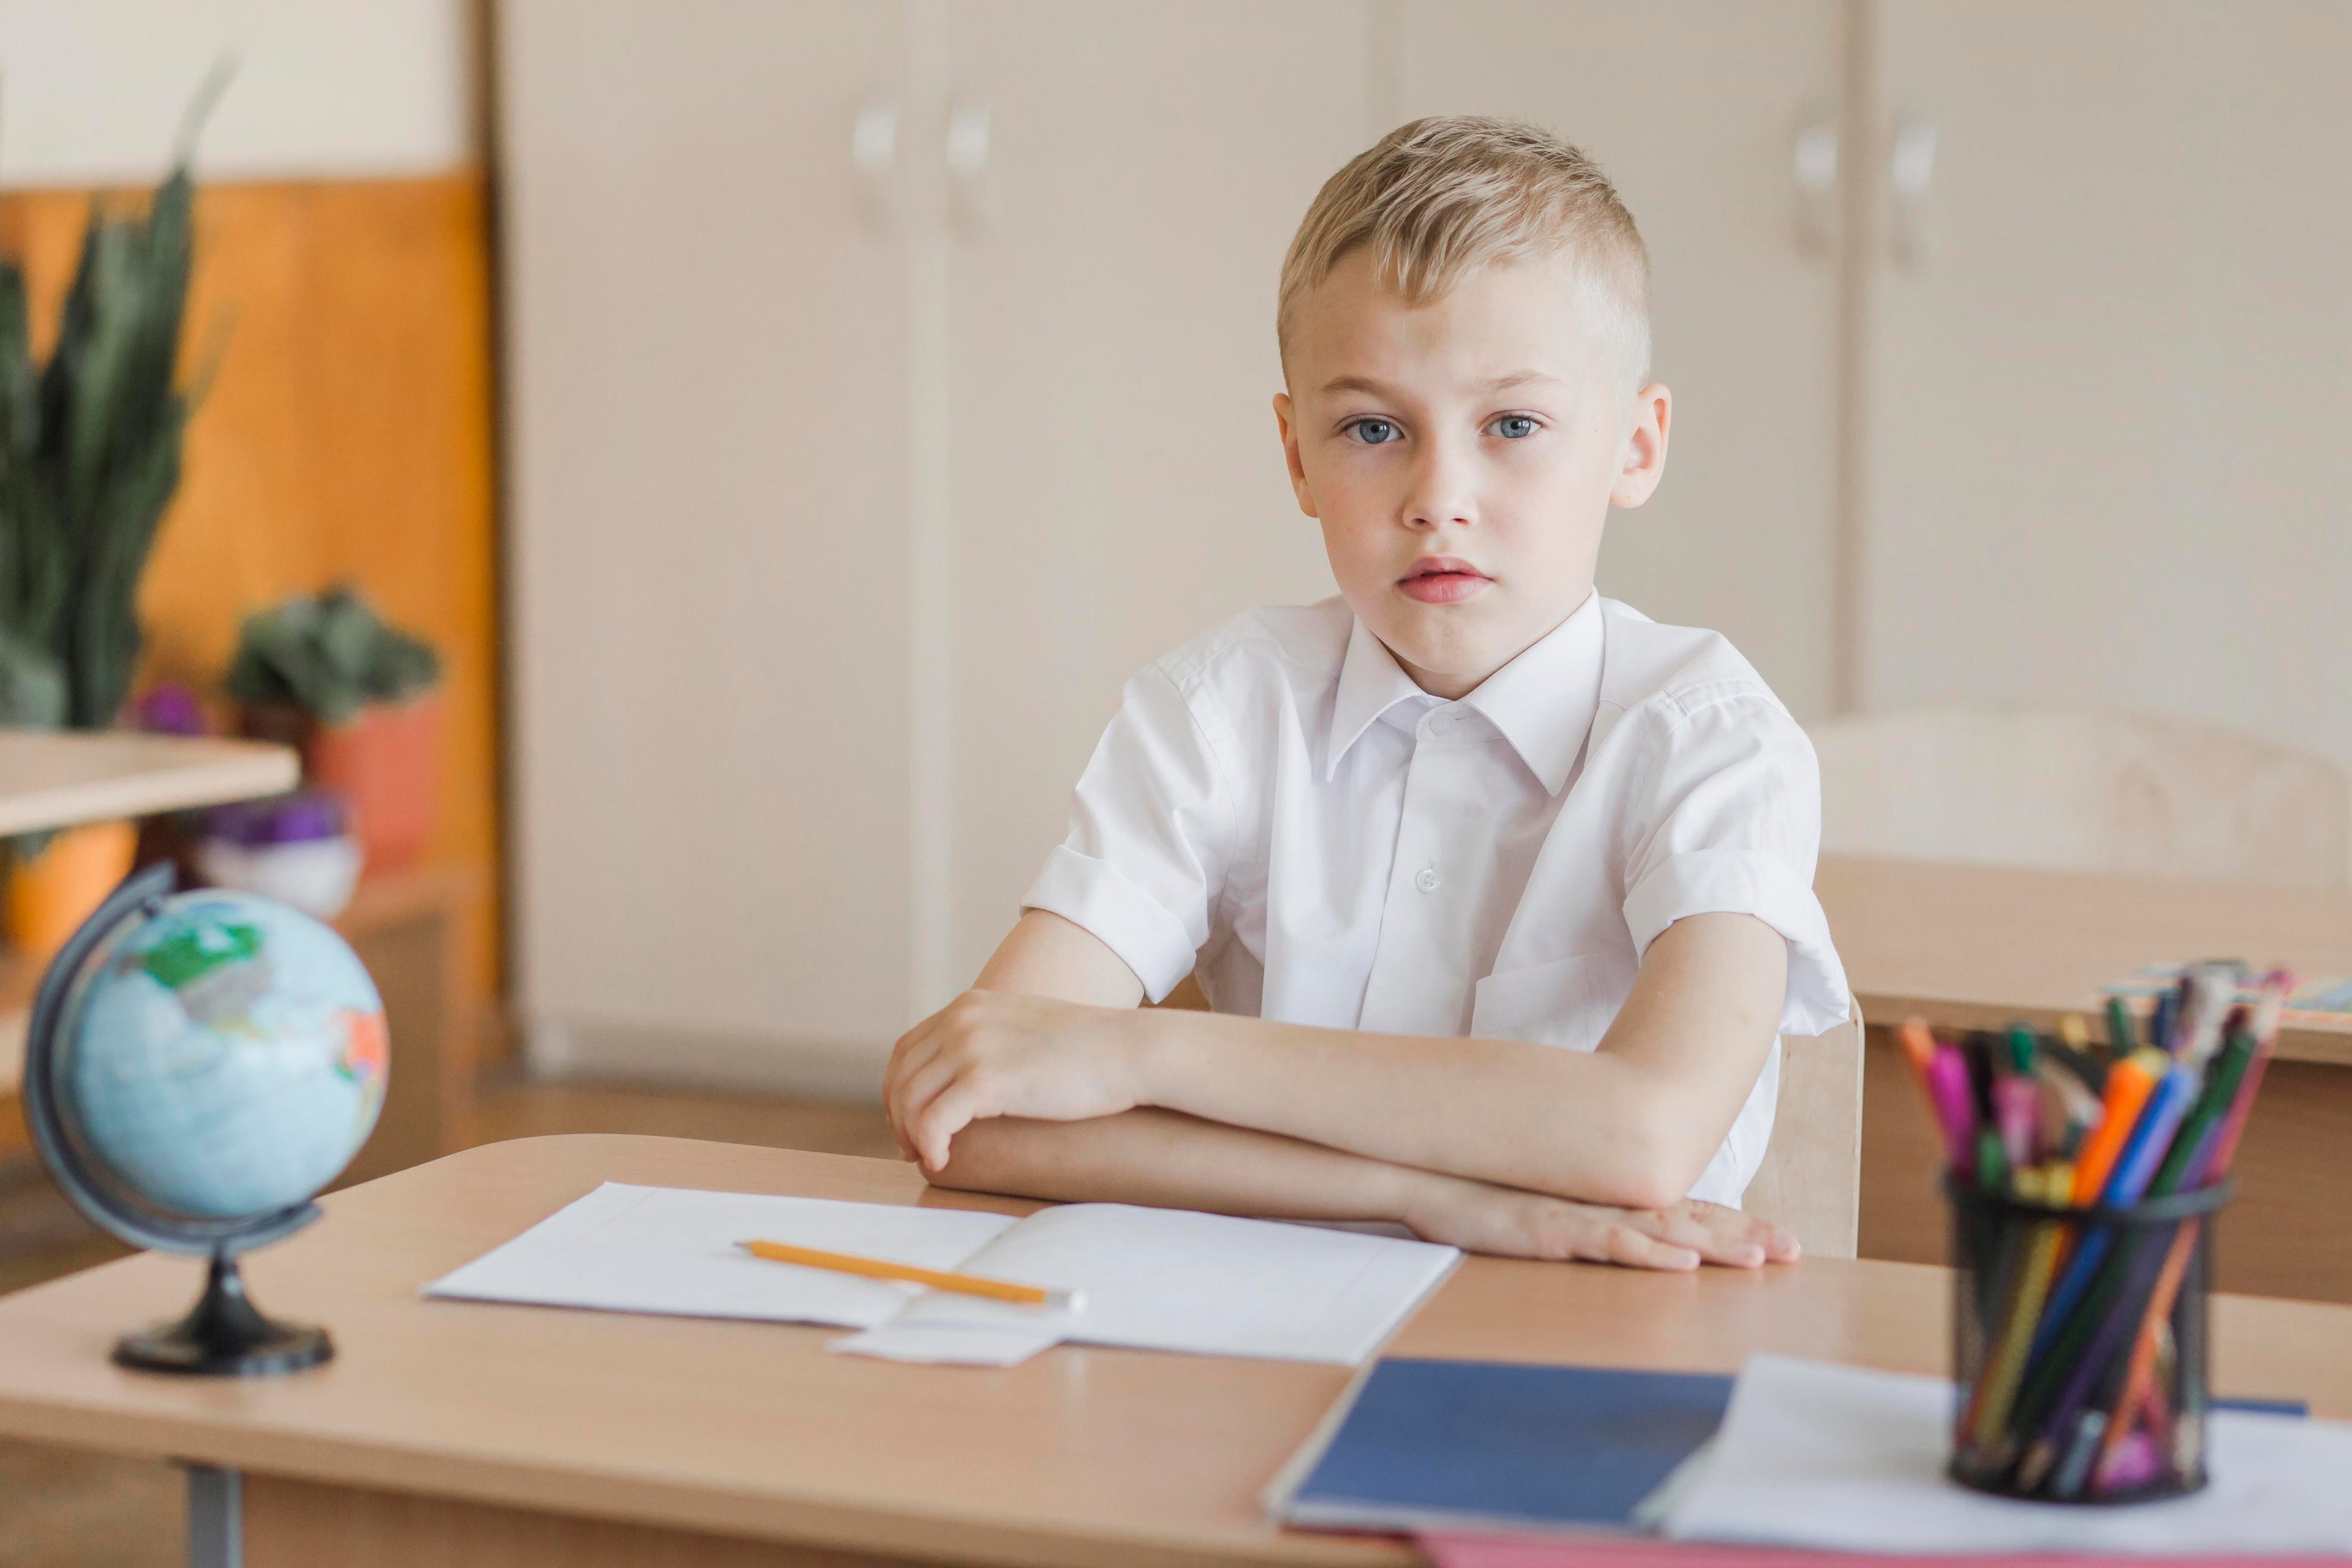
(215, 1518)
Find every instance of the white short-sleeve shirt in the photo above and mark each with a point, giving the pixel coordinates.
(1277, 806)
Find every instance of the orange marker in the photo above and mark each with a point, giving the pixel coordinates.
(2129, 1083)
(1919, 1049)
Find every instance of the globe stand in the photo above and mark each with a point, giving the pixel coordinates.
(224, 1336)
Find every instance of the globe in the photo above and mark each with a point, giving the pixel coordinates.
(200, 1065)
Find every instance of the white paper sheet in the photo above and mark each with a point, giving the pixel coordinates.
(948, 1345)
(667, 1250)
(1152, 1279)
(1173, 1280)
(1822, 1456)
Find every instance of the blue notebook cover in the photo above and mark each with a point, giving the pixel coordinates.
(1437, 1444)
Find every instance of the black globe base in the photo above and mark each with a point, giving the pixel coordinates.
(224, 1336)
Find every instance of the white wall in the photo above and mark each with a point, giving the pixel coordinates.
(91, 91)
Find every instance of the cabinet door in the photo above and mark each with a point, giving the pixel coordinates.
(1117, 485)
(1694, 110)
(2110, 395)
(706, 353)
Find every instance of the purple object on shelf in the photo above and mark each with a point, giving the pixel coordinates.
(172, 708)
(301, 817)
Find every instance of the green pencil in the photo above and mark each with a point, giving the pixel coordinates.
(2122, 1039)
(2221, 1094)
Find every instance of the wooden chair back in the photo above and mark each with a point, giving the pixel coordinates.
(2082, 791)
(1811, 1181)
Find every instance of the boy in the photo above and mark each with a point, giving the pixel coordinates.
(1502, 893)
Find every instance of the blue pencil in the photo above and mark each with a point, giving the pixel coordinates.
(2151, 1135)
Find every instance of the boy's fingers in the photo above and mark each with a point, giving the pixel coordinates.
(894, 1083)
(948, 1115)
(1708, 1234)
(914, 1047)
(919, 1089)
(1629, 1247)
(1772, 1243)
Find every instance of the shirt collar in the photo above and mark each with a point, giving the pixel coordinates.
(1543, 701)
(1370, 683)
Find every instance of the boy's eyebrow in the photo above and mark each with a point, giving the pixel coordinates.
(1355, 383)
(1378, 388)
(1519, 378)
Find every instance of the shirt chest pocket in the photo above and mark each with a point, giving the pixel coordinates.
(1569, 1002)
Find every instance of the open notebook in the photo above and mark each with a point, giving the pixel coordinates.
(1152, 1279)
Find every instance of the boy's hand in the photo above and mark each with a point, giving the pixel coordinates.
(1509, 1223)
(996, 1053)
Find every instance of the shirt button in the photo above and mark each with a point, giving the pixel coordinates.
(1426, 878)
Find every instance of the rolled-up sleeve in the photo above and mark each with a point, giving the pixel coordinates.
(1150, 834)
(1732, 823)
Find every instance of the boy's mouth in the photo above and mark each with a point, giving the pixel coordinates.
(1443, 580)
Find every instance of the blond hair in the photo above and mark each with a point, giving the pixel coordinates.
(1437, 199)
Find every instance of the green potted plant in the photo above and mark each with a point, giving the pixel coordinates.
(360, 697)
(90, 458)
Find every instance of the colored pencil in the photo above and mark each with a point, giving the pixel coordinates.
(2073, 1368)
(2122, 1039)
(2129, 1083)
(937, 1279)
(1955, 1102)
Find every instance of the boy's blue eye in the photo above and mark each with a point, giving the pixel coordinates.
(1376, 432)
(1514, 427)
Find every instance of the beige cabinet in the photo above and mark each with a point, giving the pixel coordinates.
(707, 584)
(2109, 375)
(1117, 485)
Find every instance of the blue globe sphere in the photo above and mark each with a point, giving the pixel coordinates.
(220, 1056)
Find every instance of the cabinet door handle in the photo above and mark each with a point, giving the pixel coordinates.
(1910, 177)
(874, 155)
(1814, 166)
(964, 149)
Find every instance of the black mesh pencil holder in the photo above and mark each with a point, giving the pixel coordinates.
(2079, 1346)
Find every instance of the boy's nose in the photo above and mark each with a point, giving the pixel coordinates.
(1441, 493)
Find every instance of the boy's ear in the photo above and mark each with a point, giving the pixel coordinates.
(1645, 462)
(1284, 424)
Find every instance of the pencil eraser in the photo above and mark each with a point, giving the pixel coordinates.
(1065, 1301)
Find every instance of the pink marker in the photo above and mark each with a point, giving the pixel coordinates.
(2017, 1114)
(1956, 1106)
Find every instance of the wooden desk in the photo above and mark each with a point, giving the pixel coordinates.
(51, 778)
(1977, 946)
(461, 1433)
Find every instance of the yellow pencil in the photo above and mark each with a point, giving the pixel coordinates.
(875, 1269)
(1997, 1383)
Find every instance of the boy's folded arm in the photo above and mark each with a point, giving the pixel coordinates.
(1165, 1158)
(1632, 1124)
(1170, 1160)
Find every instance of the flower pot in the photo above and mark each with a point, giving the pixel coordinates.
(293, 848)
(51, 893)
(385, 762)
